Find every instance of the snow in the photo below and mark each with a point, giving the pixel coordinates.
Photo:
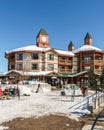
(86, 48)
(26, 48)
(44, 102)
(29, 73)
(64, 52)
(36, 48)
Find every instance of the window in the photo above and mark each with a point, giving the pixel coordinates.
(19, 56)
(12, 67)
(68, 67)
(87, 59)
(34, 66)
(87, 67)
(19, 66)
(50, 66)
(34, 56)
(50, 56)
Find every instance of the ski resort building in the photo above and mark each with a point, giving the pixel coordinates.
(44, 63)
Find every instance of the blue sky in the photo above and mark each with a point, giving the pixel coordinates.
(63, 20)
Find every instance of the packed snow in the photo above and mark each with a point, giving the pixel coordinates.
(45, 102)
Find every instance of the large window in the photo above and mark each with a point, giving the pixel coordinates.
(50, 56)
(34, 55)
(34, 66)
(50, 66)
(20, 56)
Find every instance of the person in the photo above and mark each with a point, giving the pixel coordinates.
(86, 89)
(1, 92)
(18, 92)
(83, 91)
(38, 88)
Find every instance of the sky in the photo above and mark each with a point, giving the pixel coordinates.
(63, 20)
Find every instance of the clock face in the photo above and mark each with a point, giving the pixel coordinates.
(43, 39)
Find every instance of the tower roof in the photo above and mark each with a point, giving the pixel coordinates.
(71, 44)
(87, 36)
(42, 31)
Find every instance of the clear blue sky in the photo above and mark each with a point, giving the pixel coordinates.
(63, 20)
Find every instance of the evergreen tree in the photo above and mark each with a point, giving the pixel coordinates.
(92, 83)
(102, 80)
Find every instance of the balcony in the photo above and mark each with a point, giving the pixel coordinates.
(98, 62)
(99, 71)
(65, 62)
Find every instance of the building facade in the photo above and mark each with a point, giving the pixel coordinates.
(40, 58)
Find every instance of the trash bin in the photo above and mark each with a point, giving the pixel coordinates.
(63, 93)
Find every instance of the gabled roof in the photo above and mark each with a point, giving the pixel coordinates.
(42, 32)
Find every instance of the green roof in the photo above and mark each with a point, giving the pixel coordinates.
(42, 31)
(70, 44)
(87, 36)
(64, 75)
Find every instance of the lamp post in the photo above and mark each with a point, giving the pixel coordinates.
(18, 90)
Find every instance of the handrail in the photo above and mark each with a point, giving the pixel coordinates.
(92, 128)
(81, 103)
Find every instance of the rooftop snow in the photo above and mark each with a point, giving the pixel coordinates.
(28, 48)
(29, 73)
(35, 48)
(64, 52)
(86, 48)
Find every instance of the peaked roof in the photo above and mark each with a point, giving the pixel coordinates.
(70, 44)
(42, 31)
(87, 36)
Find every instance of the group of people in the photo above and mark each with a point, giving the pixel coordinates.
(9, 92)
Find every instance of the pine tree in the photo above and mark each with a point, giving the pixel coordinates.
(92, 83)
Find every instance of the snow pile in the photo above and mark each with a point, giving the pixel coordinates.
(44, 102)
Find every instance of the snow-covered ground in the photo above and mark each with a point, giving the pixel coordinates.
(44, 102)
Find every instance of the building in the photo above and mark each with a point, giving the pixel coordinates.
(42, 62)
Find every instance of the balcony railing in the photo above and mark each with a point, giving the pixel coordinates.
(65, 62)
(98, 62)
(98, 71)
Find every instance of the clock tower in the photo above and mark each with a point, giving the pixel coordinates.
(42, 39)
